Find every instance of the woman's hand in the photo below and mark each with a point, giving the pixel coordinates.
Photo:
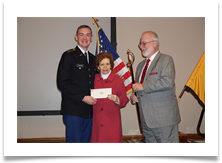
(114, 98)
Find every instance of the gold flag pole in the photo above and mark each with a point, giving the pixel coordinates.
(94, 20)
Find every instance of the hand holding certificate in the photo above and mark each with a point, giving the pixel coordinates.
(101, 93)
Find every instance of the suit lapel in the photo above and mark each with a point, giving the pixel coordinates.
(90, 58)
(154, 62)
(139, 71)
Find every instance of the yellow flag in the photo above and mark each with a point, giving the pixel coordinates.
(196, 82)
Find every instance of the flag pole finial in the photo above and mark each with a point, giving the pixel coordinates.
(131, 58)
(94, 20)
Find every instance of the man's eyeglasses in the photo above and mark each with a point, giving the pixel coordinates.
(144, 43)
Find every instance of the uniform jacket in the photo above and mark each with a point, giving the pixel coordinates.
(158, 101)
(107, 126)
(75, 78)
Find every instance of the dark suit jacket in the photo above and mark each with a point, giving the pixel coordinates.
(75, 78)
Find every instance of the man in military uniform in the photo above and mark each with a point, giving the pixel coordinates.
(75, 78)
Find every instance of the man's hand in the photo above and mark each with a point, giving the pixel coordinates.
(89, 100)
(133, 97)
(137, 87)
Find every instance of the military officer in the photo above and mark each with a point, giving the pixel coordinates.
(75, 78)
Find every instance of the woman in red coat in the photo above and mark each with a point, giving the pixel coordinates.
(107, 126)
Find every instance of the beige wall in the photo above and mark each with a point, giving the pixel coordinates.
(41, 42)
(182, 38)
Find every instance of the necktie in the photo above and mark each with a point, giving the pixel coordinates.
(87, 57)
(144, 71)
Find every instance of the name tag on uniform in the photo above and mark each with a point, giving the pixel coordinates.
(80, 66)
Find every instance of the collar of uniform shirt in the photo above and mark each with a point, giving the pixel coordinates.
(82, 50)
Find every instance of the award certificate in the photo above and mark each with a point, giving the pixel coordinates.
(101, 93)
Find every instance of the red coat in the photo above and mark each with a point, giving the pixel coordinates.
(107, 126)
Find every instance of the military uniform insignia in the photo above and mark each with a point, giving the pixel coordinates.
(80, 66)
(68, 51)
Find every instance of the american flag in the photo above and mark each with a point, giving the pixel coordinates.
(104, 45)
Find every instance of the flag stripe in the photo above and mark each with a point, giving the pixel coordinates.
(117, 61)
(128, 82)
(129, 88)
(119, 67)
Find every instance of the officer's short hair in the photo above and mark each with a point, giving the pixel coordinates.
(83, 26)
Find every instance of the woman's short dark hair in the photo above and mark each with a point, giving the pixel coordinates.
(103, 55)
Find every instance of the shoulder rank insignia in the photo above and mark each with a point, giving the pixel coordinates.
(70, 50)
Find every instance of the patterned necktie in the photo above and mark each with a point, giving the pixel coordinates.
(144, 71)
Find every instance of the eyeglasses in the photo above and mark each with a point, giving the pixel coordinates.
(144, 43)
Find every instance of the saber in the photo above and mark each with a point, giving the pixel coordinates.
(131, 59)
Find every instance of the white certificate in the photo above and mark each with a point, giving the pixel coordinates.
(101, 93)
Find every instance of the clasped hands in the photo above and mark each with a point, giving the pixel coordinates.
(92, 101)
